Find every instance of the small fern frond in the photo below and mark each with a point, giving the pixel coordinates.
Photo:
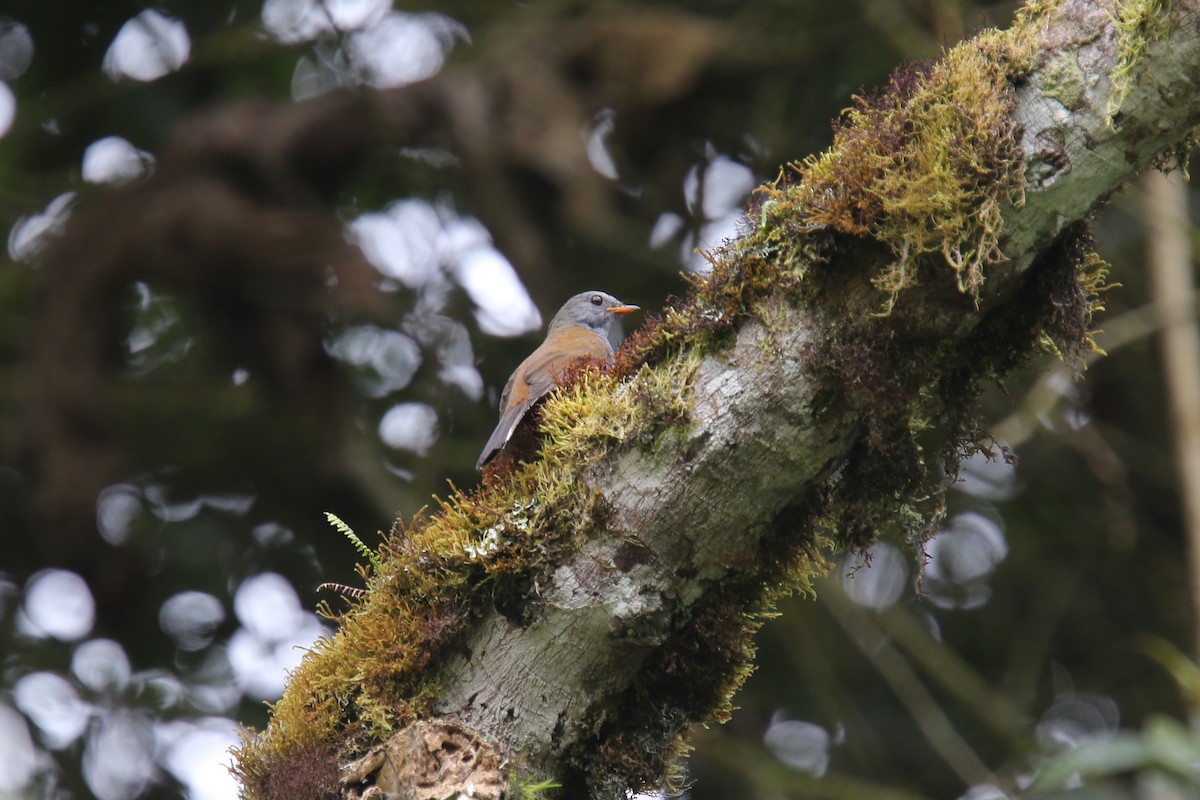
(358, 543)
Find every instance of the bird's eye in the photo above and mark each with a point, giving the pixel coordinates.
(597, 299)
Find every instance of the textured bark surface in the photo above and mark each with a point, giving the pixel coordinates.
(697, 509)
(1075, 157)
(679, 521)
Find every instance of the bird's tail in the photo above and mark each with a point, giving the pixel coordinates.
(500, 436)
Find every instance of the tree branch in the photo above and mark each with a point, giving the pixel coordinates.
(806, 413)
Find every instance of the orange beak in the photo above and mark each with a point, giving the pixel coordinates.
(623, 309)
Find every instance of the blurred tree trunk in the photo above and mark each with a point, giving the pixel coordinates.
(1170, 263)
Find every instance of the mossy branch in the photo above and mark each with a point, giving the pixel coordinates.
(586, 606)
(1138, 22)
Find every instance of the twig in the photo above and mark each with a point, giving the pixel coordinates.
(1170, 266)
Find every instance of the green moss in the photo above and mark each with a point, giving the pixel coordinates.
(524, 789)
(926, 166)
(1138, 23)
(1062, 80)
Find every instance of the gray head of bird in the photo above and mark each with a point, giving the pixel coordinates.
(594, 310)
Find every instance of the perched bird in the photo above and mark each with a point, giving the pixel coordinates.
(579, 330)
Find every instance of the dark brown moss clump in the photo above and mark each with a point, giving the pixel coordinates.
(638, 736)
(309, 772)
(917, 393)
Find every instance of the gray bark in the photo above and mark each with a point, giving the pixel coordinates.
(756, 442)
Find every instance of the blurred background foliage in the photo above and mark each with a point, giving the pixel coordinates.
(153, 600)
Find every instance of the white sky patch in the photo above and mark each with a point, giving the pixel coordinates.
(665, 228)
(718, 196)
(878, 584)
(54, 706)
(102, 666)
(197, 752)
(989, 478)
(409, 426)
(451, 342)
(328, 65)
(597, 152)
(58, 603)
(191, 618)
(117, 509)
(30, 235)
(275, 632)
(403, 48)
(401, 241)
(962, 557)
(267, 606)
(213, 686)
(16, 49)
(716, 231)
(352, 15)
(114, 160)
(415, 242)
(803, 746)
(161, 689)
(18, 758)
(383, 48)
(389, 358)
(117, 760)
(502, 306)
(970, 547)
(727, 184)
(148, 47)
(303, 20)
(465, 377)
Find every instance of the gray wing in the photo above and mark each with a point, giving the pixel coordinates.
(538, 375)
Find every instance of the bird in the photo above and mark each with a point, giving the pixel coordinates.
(579, 330)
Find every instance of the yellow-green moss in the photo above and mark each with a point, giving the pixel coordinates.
(526, 789)
(926, 166)
(1138, 23)
(435, 573)
(1067, 330)
(580, 421)
(1062, 80)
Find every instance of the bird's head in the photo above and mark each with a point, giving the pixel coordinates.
(595, 310)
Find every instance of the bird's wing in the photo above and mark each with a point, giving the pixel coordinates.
(519, 383)
(541, 371)
(507, 391)
(538, 374)
(544, 366)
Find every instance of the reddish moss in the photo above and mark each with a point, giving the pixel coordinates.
(309, 772)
